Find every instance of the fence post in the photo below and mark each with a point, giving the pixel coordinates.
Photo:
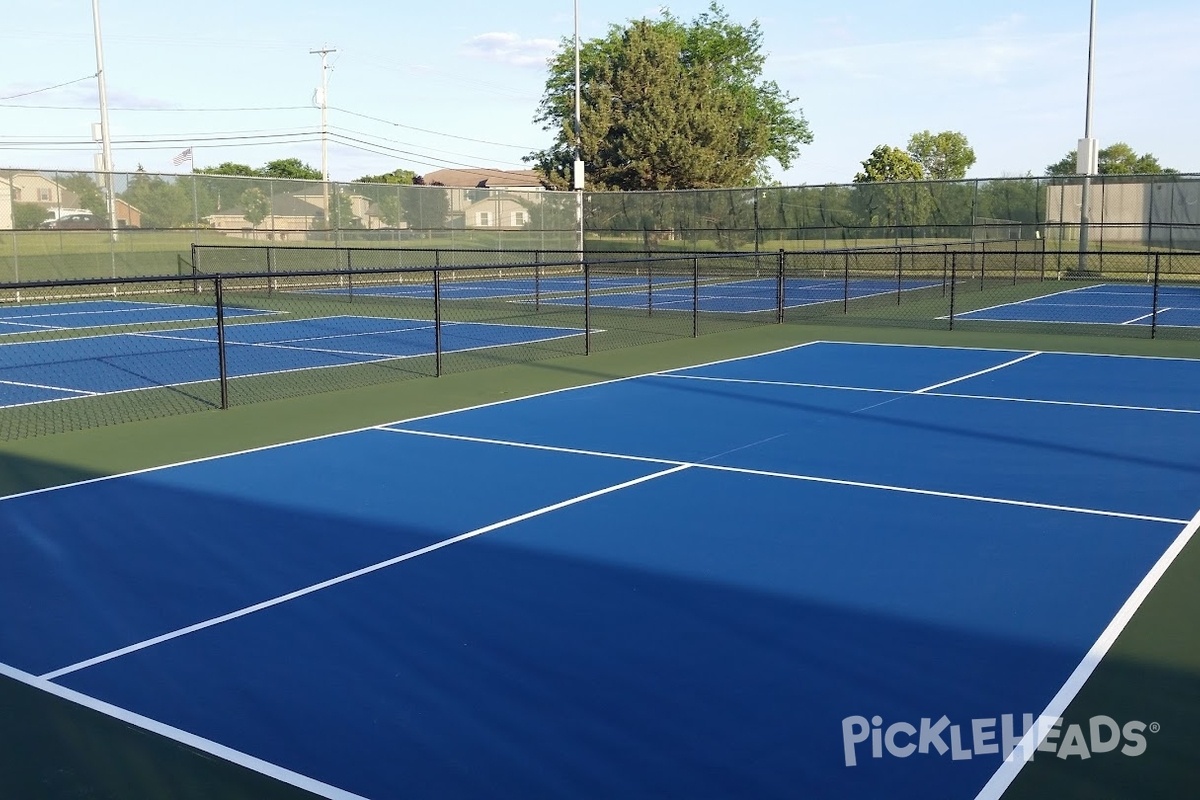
(537, 280)
(349, 277)
(195, 269)
(982, 265)
(846, 282)
(695, 297)
(781, 285)
(1016, 243)
(899, 274)
(270, 270)
(953, 281)
(1154, 301)
(650, 286)
(437, 322)
(222, 369)
(587, 307)
(945, 266)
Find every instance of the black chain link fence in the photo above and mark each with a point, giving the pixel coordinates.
(247, 325)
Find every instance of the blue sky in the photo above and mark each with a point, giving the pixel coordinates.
(424, 85)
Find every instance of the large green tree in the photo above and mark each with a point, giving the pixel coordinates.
(400, 176)
(669, 105)
(887, 163)
(84, 186)
(229, 168)
(1116, 159)
(27, 216)
(942, 156)
(255, 206)
(292, 168)
(163, 204)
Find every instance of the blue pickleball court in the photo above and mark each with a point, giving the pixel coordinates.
(84, 366)
(684, 584)
(1103, 304)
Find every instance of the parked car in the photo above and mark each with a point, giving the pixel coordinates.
(77, 222)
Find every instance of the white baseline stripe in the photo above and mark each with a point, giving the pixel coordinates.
(358, 573)
(1025, 357)
(1007, 773)
(1144, 316)
(994, 398)
(191, 740)
(83, 392)
(807, 478)
(1026, 301)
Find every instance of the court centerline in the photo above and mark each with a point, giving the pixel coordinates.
(1096, 512)
(955, 395)
(358, 573)
(977, 373)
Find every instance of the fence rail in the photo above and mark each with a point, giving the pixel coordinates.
(243, 325)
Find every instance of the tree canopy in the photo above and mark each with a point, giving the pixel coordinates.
(291, 168)
(396, 176)
(929, 156)
(887, 163)
(669, 105)
(1116, 159)
(942, 156)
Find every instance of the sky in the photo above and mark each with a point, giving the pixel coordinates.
(422, 86)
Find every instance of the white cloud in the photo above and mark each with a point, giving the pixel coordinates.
(511, 49)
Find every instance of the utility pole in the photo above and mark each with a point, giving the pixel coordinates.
(105, 138)
(323, 103)
(1089, 152)
(578, 166)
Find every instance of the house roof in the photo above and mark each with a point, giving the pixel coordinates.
(486, 178)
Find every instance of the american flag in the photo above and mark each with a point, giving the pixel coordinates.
(186, 155)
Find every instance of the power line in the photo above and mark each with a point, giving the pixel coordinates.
(426, 130)
(49, 88)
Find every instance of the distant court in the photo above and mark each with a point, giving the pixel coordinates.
(1103, 304)
(87, 366)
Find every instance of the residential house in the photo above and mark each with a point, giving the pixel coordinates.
(37, 188)
(290, 218)
(6, 216)
(490, 198)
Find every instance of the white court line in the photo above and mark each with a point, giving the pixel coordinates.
(1007, 772)
(352, 431)
(1144, 316)
(995, 398)
(47, 387)
(183, 737)
(1004, 501)
(1025, 357)
(1026, 301)
(358, 573)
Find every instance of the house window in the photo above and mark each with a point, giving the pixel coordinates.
(44, 196)
(519, 218)
(483, 219)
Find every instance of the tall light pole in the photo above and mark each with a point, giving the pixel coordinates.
(105, 139)
(578, 167)
(323, 102)
(1087, 161)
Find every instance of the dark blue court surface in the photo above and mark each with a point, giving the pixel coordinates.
(738, 296)
(1103, 304)
(41, 371)
(703, 583)
(41, 317)
(489, 288)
